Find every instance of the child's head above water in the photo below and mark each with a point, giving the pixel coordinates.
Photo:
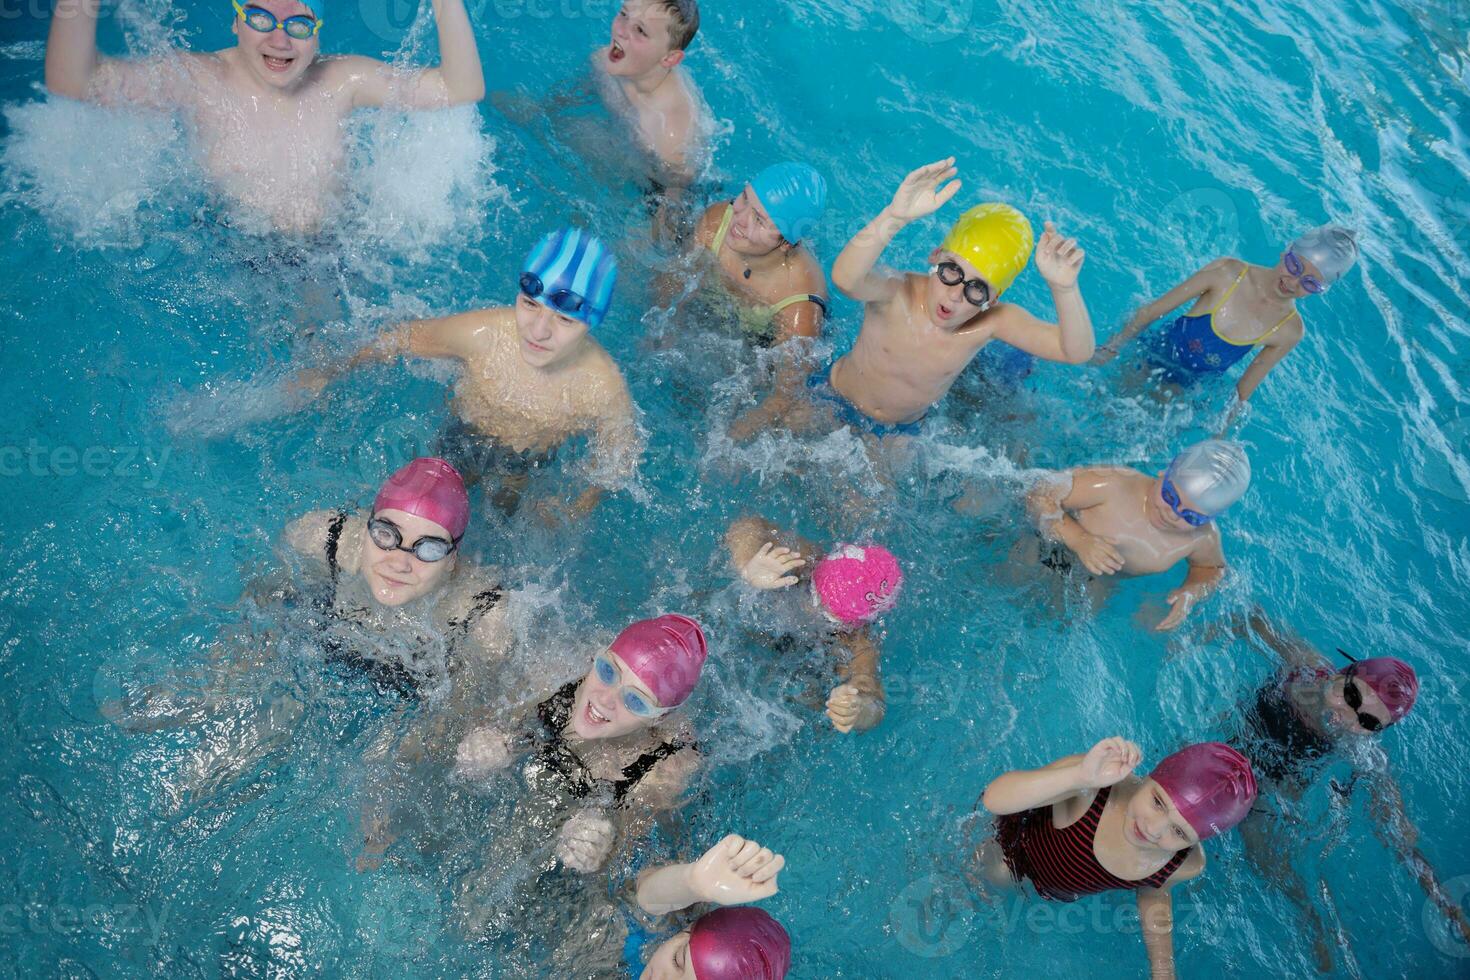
(1210, 785)
(566, 287)
(278, 39)
(649, 34)
(988, 247)
(1316, 259)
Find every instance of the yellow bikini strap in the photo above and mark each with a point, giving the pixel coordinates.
(1238, 279)
(719, 241)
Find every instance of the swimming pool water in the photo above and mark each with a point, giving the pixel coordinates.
(150, 460)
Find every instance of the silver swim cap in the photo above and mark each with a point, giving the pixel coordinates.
(1331, 248)
(1212, 474)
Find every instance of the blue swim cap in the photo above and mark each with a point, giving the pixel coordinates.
(794, 195)
(572, 273)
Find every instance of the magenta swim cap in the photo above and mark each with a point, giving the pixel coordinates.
(857, 582)
(740, 943)
(666, 653)
(429, 488)
(1394, 681)
(1211, 785)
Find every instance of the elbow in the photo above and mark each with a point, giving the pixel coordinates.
(990, 801)
(1082, 354)
(473, 91)
(844, 282)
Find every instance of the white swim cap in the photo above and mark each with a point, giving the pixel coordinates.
(1331, 248)
(1212, 474)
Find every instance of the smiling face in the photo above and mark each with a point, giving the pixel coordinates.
(275, 59)
(1153, 823)
(548, 338)
(1288, 286)
(948, 307)
(396, 577)
(641, 41)
(1161, 516)
(600, 709)
(671, 961)
(1344, 718)
(752, 232)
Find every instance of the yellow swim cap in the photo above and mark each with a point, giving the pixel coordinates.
(996, 239)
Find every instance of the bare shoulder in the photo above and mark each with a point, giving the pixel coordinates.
(810, 275)
(1192, 867)
(349, 67)
(709, 223)
(604, 379)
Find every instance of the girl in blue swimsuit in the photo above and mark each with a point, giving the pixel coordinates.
(1238, 307)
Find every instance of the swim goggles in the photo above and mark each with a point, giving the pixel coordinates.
(561, 300)
(389, 537)
(608, 673)
(1295, 268)
(977, 291)
(300, 27)
(1354, 699)
(1171, 497)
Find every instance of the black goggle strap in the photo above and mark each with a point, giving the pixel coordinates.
(1349, 656)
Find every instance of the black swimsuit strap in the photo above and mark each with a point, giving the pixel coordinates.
(634, 772)
(334, 538)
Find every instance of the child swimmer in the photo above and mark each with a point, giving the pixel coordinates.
(1118, 521)
(850, 587)
(1239, 307)
(1085, 824)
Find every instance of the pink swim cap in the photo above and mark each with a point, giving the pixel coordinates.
(429, 488)
(739, 943)
(1394, 681)
(1211, 784)
(666, 653)
(857, 582)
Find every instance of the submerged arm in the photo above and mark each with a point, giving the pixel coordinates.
(1262, 364)
(1401, 836)
(1192, 288)
(1206, 570)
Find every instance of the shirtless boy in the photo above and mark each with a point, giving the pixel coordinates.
(639, 74)
(533, 376)
(1119, 521)
(268, 112)
(920, 331)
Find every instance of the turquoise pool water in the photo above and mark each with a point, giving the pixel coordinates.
(150, 462)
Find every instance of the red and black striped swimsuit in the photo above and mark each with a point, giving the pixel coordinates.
(1061, 863)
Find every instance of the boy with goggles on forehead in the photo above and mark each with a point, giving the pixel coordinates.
(1118, 521)
(1238, 309)
(920, 331)
(533, 375)
(268, 112)
(1309, 717)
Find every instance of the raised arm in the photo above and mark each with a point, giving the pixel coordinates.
(1190, 289)
(733, 872)
(919, 195)
(1106, 763)
(1069, 340)
(458, 79)
(75, 69)
(1401, 836)
(1206, 570)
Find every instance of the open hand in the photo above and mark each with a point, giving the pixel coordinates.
(1107, 762)
(585, 841)
(772, 567)
(920, 194)
(735, 871)
(1100, 555)
(1181, 601)
(1058, 259)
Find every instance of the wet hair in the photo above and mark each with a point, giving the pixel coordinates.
(1331, 248)
(683, 20)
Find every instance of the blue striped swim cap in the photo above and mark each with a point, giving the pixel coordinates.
(573, 273)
